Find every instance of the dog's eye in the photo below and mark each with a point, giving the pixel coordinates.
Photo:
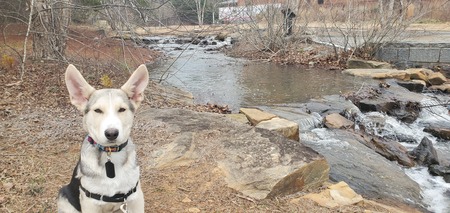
(122, 109)
(98, 111)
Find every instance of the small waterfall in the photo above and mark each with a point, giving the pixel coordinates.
(435, 191)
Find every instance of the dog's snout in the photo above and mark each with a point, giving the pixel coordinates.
(111, 133)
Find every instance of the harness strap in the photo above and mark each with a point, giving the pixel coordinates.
(117, 198)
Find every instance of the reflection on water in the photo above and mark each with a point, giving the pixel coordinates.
(267, 83)
(216, 78)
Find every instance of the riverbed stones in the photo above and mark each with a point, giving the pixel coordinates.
(255, 116)
(256, 162)
(285, 127)
(337, 121)
(440, 132)
(419, 73)
(438, 170)
(436, 78)
(413, 85)
(390, 149)
(394, 100)
(443, 88)
(425, 154)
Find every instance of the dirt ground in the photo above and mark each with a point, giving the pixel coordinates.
(41, 134)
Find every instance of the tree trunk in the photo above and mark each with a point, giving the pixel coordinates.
(49, 29)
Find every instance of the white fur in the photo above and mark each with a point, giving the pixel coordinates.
(107, 109)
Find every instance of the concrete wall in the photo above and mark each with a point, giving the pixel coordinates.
(405, 55)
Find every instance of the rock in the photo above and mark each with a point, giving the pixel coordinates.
(186, 200)
(169, 94)
(425, 154)
(365, 64)
(285, 127)
(443, 88)
(377, 105)
(367, 172)
(419, 73)
(256, 162)
(394, 100)
(391, 150)
(400, 75)
(309, 115)
(241, 118)
(306, 121)
(369, 72)
(337, 121)
(439, 170)
(255, 115)
(336, 196)
(194, 210)
(443, 133)
(413, 86)
(436, 78)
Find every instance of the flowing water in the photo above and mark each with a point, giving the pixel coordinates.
(213, 77)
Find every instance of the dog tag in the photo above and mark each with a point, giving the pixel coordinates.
(110, 172)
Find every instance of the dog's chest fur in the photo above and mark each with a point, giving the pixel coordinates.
(92, 172)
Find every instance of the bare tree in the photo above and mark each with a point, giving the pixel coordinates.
(49, 28)
(200, 6)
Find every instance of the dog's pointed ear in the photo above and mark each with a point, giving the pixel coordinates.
(79, 89)
(136, 85)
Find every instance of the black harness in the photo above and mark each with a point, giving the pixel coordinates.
(117, 198)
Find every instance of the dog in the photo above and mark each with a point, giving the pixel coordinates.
(106, 177)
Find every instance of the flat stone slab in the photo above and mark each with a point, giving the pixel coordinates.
(255, 115)
(285, 127)
(368, 72)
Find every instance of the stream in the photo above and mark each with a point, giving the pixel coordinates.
(215, 78)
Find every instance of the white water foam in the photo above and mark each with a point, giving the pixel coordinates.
(435, 191)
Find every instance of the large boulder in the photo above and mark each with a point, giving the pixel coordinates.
(354, 63)
(256, 162)
(425, 154)
(367, 172)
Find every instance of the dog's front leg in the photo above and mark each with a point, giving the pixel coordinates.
(136, 205)
(89, 205)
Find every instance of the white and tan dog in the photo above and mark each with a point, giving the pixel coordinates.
(106, 178)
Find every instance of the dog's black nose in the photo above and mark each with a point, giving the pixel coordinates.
(111, 133)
